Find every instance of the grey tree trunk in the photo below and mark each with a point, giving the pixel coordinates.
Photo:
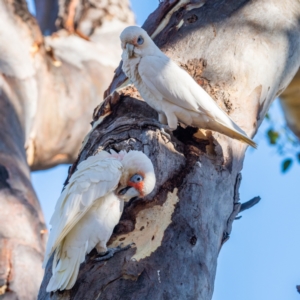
(243, 53)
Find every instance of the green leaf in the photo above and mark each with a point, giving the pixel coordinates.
(287, 163)
(273, 136)
(267, 116)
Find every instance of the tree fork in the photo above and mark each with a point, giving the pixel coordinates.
(179, 229)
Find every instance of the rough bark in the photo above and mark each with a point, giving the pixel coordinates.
(243, 53)
(48, 89)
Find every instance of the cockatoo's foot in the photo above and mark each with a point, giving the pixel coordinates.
(163, 130)
(112, 251)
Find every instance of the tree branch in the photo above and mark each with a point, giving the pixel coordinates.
(250, 203)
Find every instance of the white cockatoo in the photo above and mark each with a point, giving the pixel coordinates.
(90, 207)
(170, 90)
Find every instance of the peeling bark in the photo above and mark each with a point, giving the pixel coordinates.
(243, 53)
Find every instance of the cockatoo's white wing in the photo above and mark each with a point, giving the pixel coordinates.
(159, 75)
(163, 77)
(168, 82)
(95, 177)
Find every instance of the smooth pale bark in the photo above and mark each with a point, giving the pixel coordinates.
(48, 90)
(290, 102)
(22, 227)
(243, 53)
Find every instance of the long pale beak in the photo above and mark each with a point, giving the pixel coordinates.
(130, 50)
(124, 190)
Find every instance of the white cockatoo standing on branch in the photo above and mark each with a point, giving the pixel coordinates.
(170, 90)
(90, 207)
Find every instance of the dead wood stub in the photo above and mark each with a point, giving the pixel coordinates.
(250, 203)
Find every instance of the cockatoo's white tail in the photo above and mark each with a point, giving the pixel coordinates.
(65, 270)
(230, 129)
(233, 133)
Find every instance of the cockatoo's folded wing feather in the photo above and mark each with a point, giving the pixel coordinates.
(95, 177)
(167, 80)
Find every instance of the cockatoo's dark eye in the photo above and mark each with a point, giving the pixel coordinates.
(136, 178)
(140, 40)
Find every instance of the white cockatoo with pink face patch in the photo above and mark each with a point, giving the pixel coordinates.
(90, 207)
(170, 90)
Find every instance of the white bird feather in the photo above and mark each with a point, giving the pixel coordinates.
(90, 207)
(170, 90)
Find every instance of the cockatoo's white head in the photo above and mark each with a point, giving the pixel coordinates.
(138, 178)
(136, 42)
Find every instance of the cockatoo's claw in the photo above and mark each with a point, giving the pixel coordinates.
(164, 133)
(112, 251)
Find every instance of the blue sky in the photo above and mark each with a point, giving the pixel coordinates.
(261, 259)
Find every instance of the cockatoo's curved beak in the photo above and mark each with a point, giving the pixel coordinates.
(130, 50)
(128, 193)
(124, 190)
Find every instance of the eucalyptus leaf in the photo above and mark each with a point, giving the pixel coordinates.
(273, 136)
(286, 164)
